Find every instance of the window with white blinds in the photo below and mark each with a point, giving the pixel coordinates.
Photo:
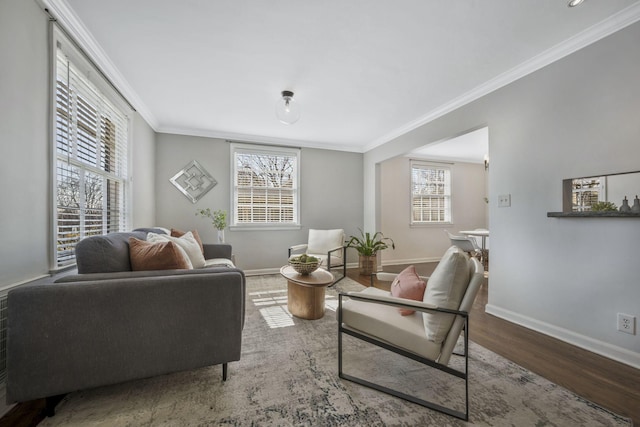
(585, 192)
(430, 193)
(90, 145)
(265, 185)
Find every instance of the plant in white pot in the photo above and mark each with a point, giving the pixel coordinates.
(368, 246)
(218, 219)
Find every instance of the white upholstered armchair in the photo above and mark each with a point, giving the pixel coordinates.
(328, 246)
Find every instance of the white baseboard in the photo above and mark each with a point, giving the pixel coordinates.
(610, 351)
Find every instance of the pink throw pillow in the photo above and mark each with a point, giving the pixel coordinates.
(408, 285)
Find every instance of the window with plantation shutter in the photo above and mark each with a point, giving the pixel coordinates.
(90, 146)
(265, 185)
(585, 192)
(430, 193)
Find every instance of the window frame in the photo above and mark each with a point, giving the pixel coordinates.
(423, 164)
(244, 148)
(114, 172)
(581, 187)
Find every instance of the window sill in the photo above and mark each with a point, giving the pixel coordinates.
(431, 225)
(264, 227)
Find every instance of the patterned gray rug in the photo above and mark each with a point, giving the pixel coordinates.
(288, 377)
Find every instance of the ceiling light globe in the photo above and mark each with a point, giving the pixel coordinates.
(574, 3)
(287, 109)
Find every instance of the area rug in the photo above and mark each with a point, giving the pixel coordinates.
(287, 376)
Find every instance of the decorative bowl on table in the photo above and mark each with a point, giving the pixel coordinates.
(304, 264)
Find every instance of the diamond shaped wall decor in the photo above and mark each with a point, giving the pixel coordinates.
(193, 181)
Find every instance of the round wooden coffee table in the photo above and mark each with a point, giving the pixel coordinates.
(305, 292)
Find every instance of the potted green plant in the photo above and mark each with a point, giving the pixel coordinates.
(218, 219)
(604, 207)
(368, 246)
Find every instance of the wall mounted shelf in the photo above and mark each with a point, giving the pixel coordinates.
(593, 214)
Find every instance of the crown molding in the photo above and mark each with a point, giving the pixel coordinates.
(583, 39)
(67, 18)
(241, 137)
(65, 15)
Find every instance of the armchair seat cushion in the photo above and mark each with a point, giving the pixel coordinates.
(383, 322)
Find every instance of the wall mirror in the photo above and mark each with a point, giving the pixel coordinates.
(579, 194)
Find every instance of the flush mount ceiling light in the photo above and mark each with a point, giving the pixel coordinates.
(287, 109)
(574, 3)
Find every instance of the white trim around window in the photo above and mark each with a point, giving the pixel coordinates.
(430, 193)
(265, 183)
(90, 152)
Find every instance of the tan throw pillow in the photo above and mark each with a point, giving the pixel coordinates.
(408, 285)
(180, 233)
(156, 256)
(186, 242)
(445, 289)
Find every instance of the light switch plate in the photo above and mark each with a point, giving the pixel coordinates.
(504, 200)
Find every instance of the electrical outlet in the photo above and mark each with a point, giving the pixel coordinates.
(627, 323)
(504, 200)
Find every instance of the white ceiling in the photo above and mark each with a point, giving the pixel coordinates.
(471, 147)
(363, 71)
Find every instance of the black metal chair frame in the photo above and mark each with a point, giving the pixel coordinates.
(390, 347)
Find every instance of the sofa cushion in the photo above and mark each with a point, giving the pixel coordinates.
(408, 285)
(445, 289)
(106, 253)
(180, 233)
(219, 262)
(157, 256)
(186, 242)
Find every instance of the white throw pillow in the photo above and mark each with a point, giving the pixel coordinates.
(186, 242)
(445, 289)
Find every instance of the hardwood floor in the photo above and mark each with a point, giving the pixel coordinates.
(610, 384)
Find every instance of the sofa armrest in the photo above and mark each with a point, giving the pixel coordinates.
(64, 337)
(217, 250)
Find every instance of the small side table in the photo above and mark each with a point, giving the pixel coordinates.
(305, 292)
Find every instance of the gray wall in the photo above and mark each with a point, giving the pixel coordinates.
(24, 124)
(143, 173)
(24, 137)
(577, 117)
(427, 243)
(330, 197)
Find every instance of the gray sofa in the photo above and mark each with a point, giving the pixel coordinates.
(108, 324)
